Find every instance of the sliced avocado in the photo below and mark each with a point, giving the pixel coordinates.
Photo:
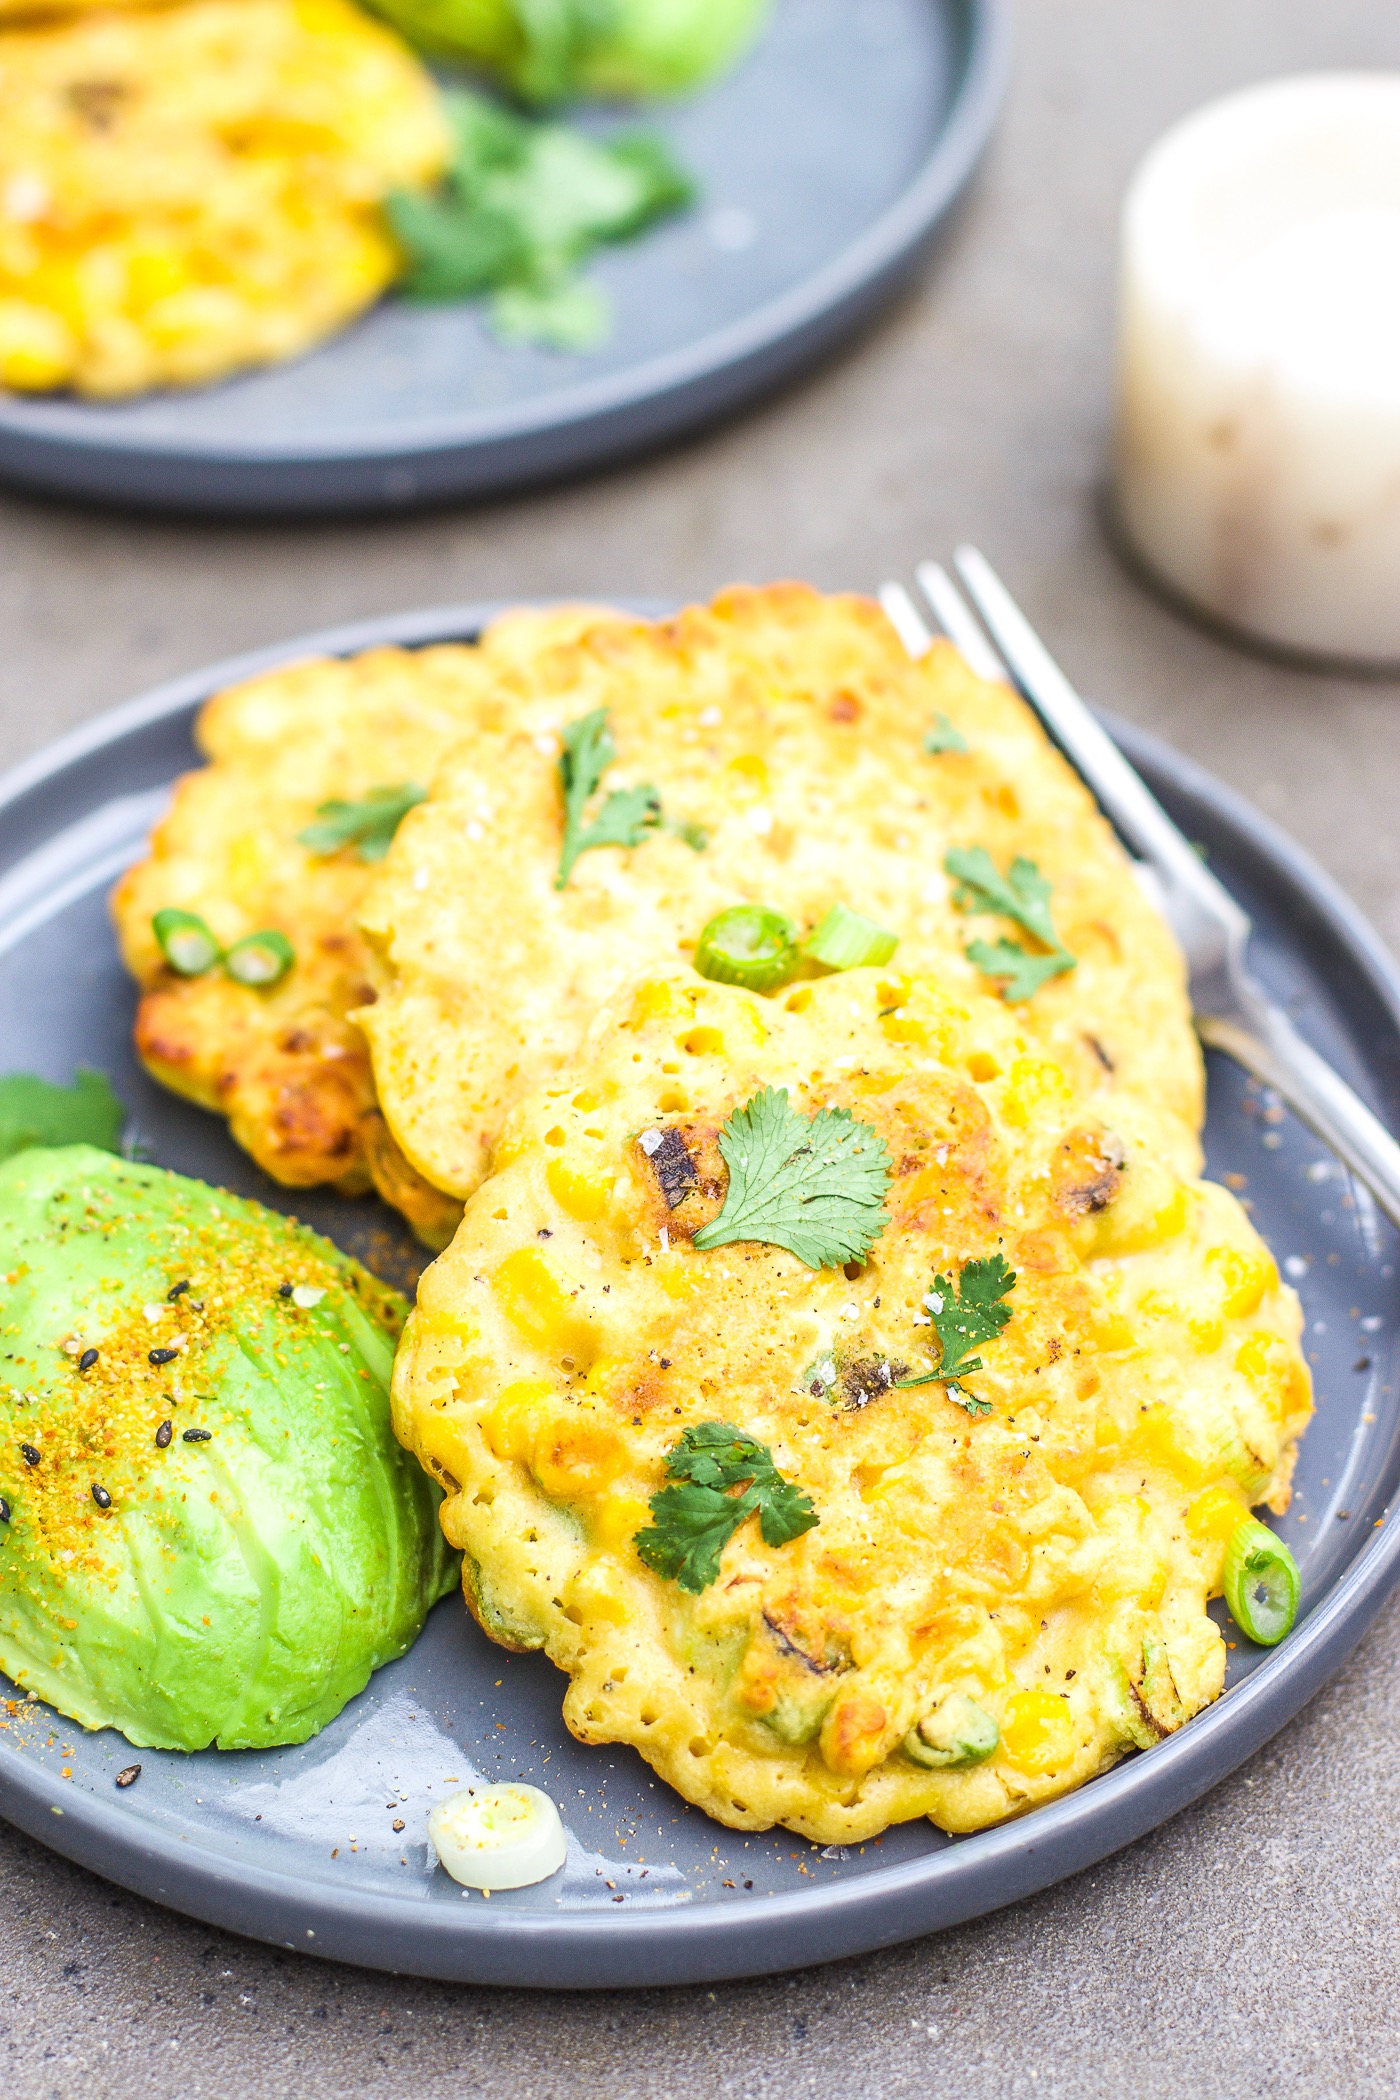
(957, 1733)
(212, 1536)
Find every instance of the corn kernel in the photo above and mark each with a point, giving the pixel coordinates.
(537, 1305)
(509, 1427)
(1243, 1279)
(1214, 1514)
(1036, 1090)
(1037, 1732)
(582, 1194)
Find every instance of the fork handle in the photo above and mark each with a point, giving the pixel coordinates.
(1277, 1055)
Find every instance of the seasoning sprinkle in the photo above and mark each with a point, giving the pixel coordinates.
(129, 1775)
(197, 1436)
(87, 1359)
(398, 1823)
(172, 1294)
(284, 1290)
(163, 1356)
(100, 1495)
(163, 1435)
(4, 1511)
(30, 1455)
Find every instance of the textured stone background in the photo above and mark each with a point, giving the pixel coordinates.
(1249, 1948)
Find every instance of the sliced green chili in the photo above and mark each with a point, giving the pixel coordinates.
(1260, 1583)
(749, 946)
(185, 941)
(846, 940)
(260, 959)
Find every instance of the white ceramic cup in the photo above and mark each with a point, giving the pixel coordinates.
(1257, 467)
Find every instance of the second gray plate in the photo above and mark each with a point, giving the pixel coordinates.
(825, 163)
(299, 1847)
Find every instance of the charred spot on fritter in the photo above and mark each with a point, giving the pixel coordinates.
(845, 707)
(868, 1378)
(821, 1650)
(1089, 1168)
(99, 102)
(670, 1161)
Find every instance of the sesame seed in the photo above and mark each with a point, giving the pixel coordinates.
(4, 1511)
(197, 1436)
(172, 1294)
(100, 1495)
(30, 1454)
(163, 1435)
(129, 1775)
(284, 1290)
(87, 1359)
(163, 1356)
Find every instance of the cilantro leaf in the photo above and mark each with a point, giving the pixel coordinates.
(34, 1111)
(1022, 895)
(1023, 972)
(623, 818)
(721, 1476)
(815, 1185)
(943, 737)
(369, 824)
(965, 1315)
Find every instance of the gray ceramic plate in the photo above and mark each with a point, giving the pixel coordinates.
(298, 1846)
(825, 163)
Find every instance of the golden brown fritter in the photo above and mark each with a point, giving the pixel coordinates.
(791, 728)
(193, 190)
(286, 1066)
(1037, 1575)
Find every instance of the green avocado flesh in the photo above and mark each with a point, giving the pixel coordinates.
(548, 50)
(239, 1586)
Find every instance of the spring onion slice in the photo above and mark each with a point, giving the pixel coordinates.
(498, 1837)
(260, 959)
(185, 941)
(846, 940)
(1260, 1583)
(750, 946)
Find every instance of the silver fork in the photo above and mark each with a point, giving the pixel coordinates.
(1232, 1012)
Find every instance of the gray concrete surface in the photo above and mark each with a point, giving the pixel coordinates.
(1249, 1948)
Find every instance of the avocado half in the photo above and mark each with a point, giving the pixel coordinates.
(209, 1534)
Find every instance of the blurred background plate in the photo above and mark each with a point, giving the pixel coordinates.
(300, 1846)
(825, 162)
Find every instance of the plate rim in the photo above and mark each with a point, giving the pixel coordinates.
(659, 396)
(719, 1939)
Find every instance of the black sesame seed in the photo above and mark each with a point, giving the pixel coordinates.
(4, 1511)
(129, 1775)
(163, 1356)
(87, 1359)
(163, 1435)
(171, 1295)
(1363, 1363)
(100, 1495)
(30, 1455)
(197, 1436)
(284, 1290)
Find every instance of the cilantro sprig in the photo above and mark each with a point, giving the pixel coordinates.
(720, 1476)
(368, 824)
(943, 737)
(965, 1315)
(623, 818)
(812, 1184)
(1021, 895)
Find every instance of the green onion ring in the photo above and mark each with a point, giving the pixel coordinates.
(185, 941)
(846, 940)
(260, 959)
(1261, 1583)
(750, 946)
